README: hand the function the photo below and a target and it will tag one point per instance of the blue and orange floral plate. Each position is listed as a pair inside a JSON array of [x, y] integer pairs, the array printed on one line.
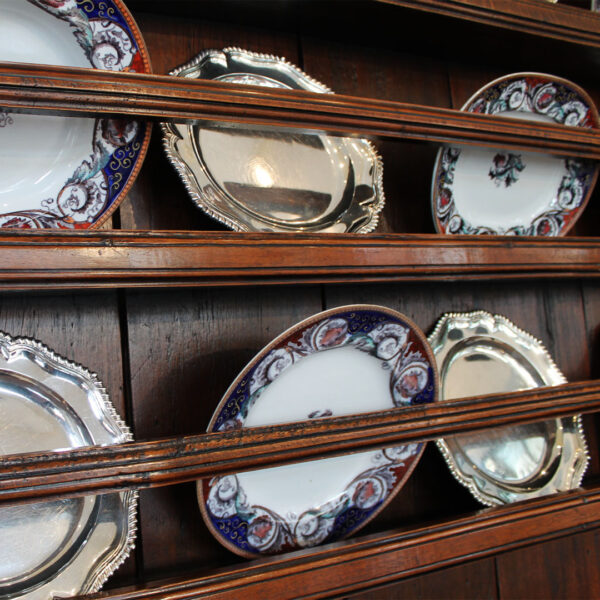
[[347, 360], [68, 172], [478, 190]]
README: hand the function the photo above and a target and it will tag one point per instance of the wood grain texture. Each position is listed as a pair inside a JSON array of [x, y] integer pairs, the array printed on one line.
[[545, 20], [158, 199], [388, 75], [476, 579], [185, 349], [558, 569], [352, 565], [83, 328], [84, 92], [188, 457], [47, 260]]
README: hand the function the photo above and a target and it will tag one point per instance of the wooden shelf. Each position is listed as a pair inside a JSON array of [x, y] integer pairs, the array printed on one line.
[[575, 25], [108, 259], [157, 348], [73, 91], [356, 564], [187, 458], [547, 20]]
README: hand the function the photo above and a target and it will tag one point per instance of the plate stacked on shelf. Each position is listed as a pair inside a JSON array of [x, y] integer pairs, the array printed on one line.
[[478, 190], [273, 180], [343, 361], [68, 172], [67, 546]]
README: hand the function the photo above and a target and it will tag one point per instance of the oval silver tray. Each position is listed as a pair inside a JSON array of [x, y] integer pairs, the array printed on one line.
[[273, 180], [479, 353], [68, 546]]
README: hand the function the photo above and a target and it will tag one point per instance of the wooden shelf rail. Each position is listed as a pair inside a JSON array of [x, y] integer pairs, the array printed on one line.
[[74, 91], [53, 260], [354, 564], [179, 459], [557, 21]]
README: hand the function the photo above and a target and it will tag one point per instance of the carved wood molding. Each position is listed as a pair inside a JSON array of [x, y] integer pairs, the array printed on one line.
[[74, 91], [369, 561], [179, 459], [557, 21], [52, 260]]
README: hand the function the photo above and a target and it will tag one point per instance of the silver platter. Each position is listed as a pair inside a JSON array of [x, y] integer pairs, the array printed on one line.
[[273, 180], [479, 353], [67, 546]]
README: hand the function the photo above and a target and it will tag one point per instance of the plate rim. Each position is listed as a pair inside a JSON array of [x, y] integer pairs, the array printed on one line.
[[145, 55], [171, 137], [468, 481], [10, 346], [261, 354], [548, 77]]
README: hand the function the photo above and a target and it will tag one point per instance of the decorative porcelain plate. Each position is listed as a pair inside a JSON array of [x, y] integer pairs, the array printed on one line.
[[347, 360], [480, 190], [479, 353], [68, 172], [257, 180], [68, 546]]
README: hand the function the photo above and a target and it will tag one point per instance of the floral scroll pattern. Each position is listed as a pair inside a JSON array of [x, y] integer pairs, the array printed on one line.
[[258, 529], [527, 95], [108, 44]]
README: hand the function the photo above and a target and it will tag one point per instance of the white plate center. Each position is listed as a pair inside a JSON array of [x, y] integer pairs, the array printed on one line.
[[501, 189], [38, 154], [338, 381]]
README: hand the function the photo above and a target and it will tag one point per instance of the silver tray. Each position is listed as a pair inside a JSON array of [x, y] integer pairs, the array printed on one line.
[[479, 353], [273, 180], [69, 546]]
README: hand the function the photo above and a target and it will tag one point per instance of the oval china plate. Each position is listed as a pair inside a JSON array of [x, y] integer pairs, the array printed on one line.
[[352, 359], [478, 190], [479, 353], [48, 403], [276, 180], [68, 172]]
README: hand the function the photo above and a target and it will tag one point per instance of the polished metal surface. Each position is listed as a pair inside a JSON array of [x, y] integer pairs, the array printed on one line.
[[66, 546], [275, 180], [479, 353]]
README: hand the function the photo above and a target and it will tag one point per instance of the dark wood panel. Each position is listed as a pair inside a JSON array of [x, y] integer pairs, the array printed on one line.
[[84, 328], [476, 579], [559, 21], [65, 90], [185, 349], [400, 76], [563, 568], [353, 565]]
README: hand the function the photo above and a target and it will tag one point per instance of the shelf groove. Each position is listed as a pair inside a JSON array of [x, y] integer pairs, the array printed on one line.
[[179, 459], [74, 91], [569, 24], [377, 559], [61, 260]]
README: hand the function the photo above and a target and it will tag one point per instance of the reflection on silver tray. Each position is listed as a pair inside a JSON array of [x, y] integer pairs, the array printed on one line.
[[67, 546], [479, 353], [259, 180]]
